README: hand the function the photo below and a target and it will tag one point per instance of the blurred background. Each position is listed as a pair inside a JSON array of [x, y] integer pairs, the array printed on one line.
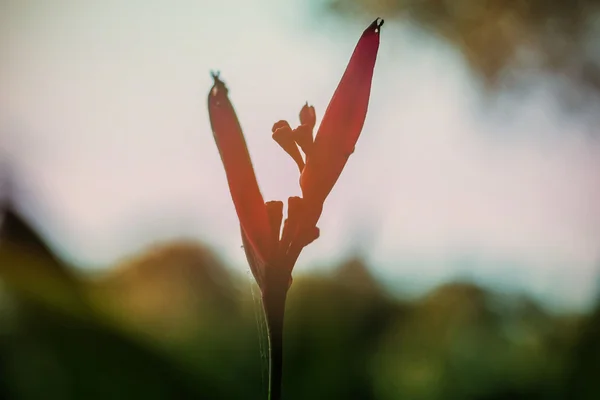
[[459, 254]]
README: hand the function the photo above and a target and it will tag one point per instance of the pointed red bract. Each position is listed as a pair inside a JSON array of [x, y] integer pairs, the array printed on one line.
[[247, 199], [342, 121]]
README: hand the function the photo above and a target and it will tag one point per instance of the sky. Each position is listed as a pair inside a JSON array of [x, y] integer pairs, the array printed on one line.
[[103, 119]]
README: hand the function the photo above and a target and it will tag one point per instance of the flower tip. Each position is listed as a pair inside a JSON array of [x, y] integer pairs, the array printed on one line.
[[218, 84], [376, 25], [308, 116], [216, 76]]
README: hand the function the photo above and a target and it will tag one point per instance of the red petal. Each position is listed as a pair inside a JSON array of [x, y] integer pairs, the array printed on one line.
[[343, 119], [248, 200]]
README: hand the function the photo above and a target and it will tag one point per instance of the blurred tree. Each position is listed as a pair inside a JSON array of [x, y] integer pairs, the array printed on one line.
[[17, 232], [498, 37], [171, 324], [181, 299], [30, 268], [168, 292], [455, 344], [334, 324], [49, 355], [54, 346], [584, 366]]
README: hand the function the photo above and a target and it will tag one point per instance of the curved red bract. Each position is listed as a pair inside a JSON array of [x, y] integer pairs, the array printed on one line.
[[343, 120], [245, 193]]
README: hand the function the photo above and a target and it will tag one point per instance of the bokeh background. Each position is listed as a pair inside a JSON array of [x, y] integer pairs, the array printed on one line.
[[459, 253]]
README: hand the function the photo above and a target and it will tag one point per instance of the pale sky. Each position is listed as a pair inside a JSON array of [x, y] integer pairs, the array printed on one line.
[[103, 111]]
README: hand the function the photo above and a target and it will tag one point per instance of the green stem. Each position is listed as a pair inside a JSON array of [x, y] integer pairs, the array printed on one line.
[[274, 307]]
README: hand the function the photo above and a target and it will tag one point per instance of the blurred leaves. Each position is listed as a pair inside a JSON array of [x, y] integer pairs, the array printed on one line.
[[457, 344], [584, 362], [500, 37], [29, 267], [176, 323]]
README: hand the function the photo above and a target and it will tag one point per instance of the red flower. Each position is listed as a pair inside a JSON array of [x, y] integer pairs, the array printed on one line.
[[325, 160], [271, 256], [338, 133], [343, 120]]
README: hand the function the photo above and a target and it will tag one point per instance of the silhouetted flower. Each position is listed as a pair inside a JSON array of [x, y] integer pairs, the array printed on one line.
[[272, 255], [325, 158], [337, 135]]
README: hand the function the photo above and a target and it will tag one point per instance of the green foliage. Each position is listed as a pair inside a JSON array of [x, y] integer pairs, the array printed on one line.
[[176, 323]]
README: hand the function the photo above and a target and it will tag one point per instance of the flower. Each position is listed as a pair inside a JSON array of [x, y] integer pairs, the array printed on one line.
[[272, 256], [343, 120], [337, 135]]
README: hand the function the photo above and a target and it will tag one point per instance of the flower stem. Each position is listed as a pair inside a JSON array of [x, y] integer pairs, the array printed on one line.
[[274, 307]]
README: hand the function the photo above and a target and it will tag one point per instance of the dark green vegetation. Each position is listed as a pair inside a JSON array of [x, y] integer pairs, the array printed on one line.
[[176, 324]]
